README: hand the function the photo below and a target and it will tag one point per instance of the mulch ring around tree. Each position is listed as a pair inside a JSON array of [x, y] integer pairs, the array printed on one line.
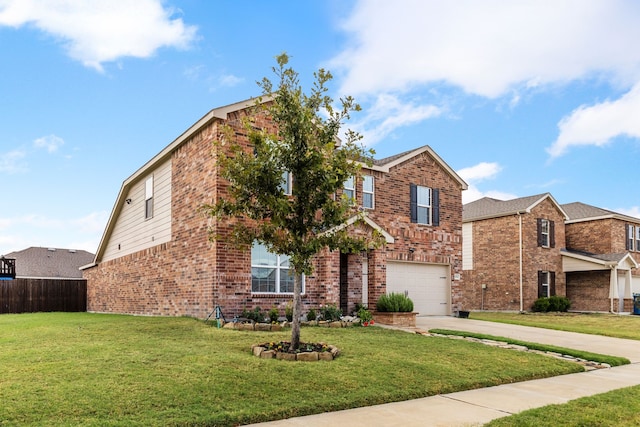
[[307, 352]]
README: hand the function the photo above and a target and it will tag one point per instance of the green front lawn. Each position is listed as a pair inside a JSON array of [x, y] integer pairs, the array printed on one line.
[[619, 408], [91, 369], [611, 325]]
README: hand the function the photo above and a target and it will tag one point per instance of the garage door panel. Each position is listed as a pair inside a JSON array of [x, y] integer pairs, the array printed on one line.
[[426, 284]]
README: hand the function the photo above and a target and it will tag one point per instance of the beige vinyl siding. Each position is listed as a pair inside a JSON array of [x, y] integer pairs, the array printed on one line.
[[573, 264], [132, 232], [467, 246]]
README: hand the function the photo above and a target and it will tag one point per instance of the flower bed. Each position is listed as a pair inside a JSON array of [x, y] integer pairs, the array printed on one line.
[[307, 352]]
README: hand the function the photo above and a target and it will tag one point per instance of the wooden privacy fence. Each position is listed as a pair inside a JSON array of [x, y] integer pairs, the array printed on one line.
[[34, 295]]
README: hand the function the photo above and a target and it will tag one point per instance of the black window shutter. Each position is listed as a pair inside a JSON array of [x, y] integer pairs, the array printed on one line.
[[552, 285], [540, 289], [626, 237], [436, 206], [413, 195], [552, 234], [539, 231]]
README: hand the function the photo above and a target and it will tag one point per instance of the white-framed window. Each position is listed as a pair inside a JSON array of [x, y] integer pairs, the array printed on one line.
[[545, 284], [148, 198], [631, 237], [424, 205], [544, 233], [350, 188], [271, 273], [368, 192], [637, 238], [287, 183]]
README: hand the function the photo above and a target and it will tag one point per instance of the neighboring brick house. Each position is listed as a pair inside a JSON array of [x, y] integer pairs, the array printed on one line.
[[155, 257], [511, 253], [601, 258]]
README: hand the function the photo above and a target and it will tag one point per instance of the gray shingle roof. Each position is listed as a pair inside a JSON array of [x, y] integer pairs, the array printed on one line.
[[578, 211], [493, 208], [50, 262]]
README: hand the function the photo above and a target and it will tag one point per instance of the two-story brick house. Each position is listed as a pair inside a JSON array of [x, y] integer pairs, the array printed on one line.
[[512, 252], [601, 258], [155, 257], [518, 250]]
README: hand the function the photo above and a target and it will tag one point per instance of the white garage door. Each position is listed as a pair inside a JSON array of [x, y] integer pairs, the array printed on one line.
[[427, 286]]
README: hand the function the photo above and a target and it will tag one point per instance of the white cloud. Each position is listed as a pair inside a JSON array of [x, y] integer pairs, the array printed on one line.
[[99, 31], [600, 123], [229, 80], [11, 162], [487, 48], [388, 113], [499, 49], [633, 211], [20, 232], [51, 143], [478, 173]]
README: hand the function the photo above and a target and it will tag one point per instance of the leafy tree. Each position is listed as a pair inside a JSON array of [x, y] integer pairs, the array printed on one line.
[[303, 144]]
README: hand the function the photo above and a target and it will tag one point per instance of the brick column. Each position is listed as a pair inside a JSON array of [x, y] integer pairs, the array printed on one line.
[[377, 275]]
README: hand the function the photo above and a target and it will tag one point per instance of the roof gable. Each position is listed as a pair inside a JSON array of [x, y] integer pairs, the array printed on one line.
[[385, 164], [487, 207]]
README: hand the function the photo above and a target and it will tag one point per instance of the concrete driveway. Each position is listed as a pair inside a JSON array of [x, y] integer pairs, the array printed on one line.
[[476, 407]]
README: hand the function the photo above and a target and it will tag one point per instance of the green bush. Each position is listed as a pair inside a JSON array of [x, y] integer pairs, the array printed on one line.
[[288, 311], [274, 314], [256, 314], [557, 303], [311, 315], [330, 313], [364, 315], [551, 304], [394, 302]]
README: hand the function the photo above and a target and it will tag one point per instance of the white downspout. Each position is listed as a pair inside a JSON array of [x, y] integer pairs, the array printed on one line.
[[521, 278]]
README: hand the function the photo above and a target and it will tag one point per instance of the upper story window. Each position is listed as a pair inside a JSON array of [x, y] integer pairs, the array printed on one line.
[[630, 234], [637, 238], [148, 198], [287, 183], [424, 205], [546, 233], [270, 273], [350, 188], [368, 192]]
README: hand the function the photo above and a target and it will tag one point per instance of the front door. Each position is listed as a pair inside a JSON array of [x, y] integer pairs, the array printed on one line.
[[344, 283]]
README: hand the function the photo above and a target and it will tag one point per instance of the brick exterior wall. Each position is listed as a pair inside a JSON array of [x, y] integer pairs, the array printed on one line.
[[191, 275], [496, 260], [590, 290]]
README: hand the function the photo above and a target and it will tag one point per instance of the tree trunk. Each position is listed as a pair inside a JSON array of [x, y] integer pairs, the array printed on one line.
[[297, 306]]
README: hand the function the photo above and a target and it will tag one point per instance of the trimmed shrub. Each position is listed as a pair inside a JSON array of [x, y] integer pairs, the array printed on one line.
[[274, 314], [330, 313], [256, 314], [394, 302], [551, 304], [557, 303], [311, 315]]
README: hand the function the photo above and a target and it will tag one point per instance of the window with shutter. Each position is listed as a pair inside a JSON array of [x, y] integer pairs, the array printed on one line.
[[424, 205]]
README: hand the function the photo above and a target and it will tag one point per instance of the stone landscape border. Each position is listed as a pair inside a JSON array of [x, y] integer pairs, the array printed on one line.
[[260, 350]]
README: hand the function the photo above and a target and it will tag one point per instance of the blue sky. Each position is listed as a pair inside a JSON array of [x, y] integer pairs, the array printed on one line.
[[520, 98]]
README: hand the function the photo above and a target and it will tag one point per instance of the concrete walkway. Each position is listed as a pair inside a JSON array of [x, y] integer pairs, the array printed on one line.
[[476, 407]]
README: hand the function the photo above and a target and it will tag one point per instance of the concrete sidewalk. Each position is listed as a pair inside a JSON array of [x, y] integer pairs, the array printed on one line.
[[476, 407]]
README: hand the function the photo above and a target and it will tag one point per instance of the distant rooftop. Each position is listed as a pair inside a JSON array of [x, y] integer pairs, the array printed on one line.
[[50, 262]]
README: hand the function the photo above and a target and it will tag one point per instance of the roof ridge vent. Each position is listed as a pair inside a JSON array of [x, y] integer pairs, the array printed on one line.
[[51, 249]]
